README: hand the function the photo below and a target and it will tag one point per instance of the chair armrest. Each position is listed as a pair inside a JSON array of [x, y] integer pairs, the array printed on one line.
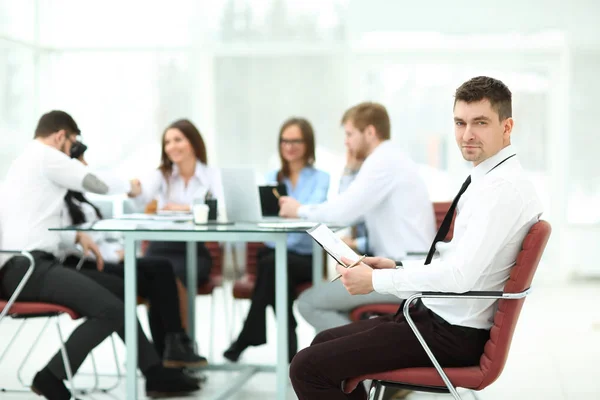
[[439, 295], [475, 294], [23, 282]]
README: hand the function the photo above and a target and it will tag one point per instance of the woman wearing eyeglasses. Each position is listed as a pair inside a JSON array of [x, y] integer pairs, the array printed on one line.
[[308, 185]]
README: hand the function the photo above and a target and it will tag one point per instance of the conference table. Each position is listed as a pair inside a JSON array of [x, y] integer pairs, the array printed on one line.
[[155, 229]]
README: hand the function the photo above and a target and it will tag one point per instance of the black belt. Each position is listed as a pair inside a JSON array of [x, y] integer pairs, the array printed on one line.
[[419, 306]]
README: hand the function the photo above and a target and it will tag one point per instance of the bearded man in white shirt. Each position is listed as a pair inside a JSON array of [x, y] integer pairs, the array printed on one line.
[[497, 205], [388, 194]]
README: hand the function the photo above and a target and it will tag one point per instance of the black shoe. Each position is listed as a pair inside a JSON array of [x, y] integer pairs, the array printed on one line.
[[234, 351], [180, 352], [166, 382], [197, 376], [49, 386]]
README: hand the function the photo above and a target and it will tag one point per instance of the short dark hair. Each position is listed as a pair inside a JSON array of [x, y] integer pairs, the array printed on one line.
[[53, 122], [368, 113], [483, 87]]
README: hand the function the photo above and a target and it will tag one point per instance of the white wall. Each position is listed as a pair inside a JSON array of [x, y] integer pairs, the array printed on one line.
[[239, 68]]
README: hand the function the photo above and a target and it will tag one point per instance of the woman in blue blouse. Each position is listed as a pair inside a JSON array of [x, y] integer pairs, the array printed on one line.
[[308, 185]]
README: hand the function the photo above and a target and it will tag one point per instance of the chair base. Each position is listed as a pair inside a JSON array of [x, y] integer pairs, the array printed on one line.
[[378, 387], [416, 388]]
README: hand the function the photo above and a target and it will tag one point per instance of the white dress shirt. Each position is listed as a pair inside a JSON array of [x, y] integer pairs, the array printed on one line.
[[175, 190], [392, 199], [33, 196], [493, 217]]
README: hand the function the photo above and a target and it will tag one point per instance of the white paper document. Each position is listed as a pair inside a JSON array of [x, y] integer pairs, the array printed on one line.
[[332, 243]]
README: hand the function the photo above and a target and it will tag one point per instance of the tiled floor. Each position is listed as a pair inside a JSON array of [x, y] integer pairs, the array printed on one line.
[[554, 354]]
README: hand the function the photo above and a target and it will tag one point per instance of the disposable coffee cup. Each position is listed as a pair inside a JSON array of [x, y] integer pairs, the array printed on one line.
[[200, 212]]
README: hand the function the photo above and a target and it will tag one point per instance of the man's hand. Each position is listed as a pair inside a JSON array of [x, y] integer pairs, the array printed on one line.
[[176, 207], [380, 263], [120, 255], [288, 207], [358, 279], [88, 245], [136, 188], [352, 163]]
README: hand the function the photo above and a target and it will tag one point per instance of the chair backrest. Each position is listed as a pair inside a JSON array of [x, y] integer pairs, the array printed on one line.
[[505, 320], [440, 209], [216, 254], [252, 249]]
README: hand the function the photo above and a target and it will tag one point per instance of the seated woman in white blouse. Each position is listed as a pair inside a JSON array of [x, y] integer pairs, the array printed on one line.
[[182, 177]]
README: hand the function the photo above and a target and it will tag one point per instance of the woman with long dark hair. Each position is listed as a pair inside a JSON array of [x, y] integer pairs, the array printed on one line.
[[182, 178]]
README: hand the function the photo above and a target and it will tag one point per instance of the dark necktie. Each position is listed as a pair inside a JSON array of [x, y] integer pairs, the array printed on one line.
[[445, 227]]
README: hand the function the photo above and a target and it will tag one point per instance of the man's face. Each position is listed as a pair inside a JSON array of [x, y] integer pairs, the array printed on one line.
[[479, 132], [356, 141]]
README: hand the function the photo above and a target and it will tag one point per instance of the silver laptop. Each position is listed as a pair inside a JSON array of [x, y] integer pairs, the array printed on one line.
[[242, 200]]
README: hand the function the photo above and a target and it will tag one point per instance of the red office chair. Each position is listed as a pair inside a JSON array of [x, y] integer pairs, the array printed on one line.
[[27, 310], [243, 287], [372, 310], [438, 380]]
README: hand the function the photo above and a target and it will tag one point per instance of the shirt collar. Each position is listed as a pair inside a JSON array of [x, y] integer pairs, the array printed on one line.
[[197, 172], [479, 171]]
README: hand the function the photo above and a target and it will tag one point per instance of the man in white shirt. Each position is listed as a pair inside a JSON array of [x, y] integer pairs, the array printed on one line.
[[497, 206], [32, 200], [388, 194]]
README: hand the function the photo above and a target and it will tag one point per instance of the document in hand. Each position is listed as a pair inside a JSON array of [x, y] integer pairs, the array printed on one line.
[[332, 244]]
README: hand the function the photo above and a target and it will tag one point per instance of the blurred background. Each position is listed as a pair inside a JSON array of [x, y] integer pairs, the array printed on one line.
[[238, 68]]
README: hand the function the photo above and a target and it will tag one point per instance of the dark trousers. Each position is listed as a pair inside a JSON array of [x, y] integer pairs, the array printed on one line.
[[378, 345], [175, 252], [104, 312], [254, 331], [155, 282]]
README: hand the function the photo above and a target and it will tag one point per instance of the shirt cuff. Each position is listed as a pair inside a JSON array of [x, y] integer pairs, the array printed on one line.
[[383, 281], [303, 212]]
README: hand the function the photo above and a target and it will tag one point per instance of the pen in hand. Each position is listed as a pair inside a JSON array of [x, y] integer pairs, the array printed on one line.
[[354, 264], [276, 193]]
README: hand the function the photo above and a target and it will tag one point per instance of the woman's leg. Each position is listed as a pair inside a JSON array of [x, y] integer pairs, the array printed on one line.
[[157, 283], [175, 252], [254, 331]]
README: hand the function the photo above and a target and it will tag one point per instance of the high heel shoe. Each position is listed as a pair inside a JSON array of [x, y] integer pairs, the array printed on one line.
[[234, 351]]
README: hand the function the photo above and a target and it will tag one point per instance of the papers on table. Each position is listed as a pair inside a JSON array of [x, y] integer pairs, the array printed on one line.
[[158, 217]]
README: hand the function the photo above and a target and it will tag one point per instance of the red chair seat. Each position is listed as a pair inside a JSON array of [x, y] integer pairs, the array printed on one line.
[[37, 309], [467, 377]]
